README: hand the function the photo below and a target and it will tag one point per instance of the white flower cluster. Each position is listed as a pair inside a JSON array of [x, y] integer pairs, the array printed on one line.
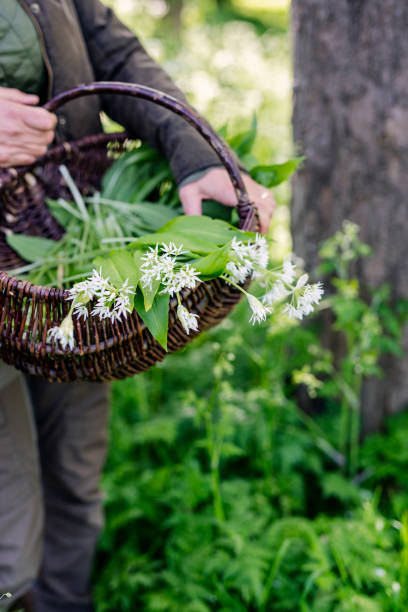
[[252, 258], [247, 258], [259, 311], [112, 303], [64, 333], [187, 319], [164, 267], [302, 296], [160, 264]]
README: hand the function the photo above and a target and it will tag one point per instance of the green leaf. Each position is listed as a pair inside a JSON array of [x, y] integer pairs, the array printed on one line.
[[31, 248], [215, 231], [153, 215], [60, 214], [136, 175], [157, 318], [154, 181], [275, 174], [212, 208], [120, 180], [212, 265], [150, 293], [120, 266], [190, 243]]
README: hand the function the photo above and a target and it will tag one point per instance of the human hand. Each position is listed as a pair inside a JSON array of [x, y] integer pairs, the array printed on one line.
[[216, 185], [25, 130]]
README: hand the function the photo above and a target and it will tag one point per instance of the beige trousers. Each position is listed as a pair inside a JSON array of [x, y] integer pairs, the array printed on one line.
[[53, 439]]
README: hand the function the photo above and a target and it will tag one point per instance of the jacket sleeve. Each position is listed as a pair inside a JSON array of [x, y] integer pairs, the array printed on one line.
[[117, 55]]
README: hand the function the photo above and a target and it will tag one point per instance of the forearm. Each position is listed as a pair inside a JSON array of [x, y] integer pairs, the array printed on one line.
[[116, 54]]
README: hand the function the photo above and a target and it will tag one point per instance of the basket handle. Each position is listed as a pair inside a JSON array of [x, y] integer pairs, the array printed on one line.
[[246, 210]]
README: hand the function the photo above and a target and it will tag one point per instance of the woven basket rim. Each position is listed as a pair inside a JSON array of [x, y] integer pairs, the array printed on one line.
[[26, 289], [105, 350]]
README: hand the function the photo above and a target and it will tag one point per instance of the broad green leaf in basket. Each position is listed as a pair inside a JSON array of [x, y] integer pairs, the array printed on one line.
[[212, 208], [275, 174], [120, 180], [62, 215], [154, 216], [30, 248], [118, 267], [189, 242], [215, 231], [136, 175], [157, 318], [212, 265], [149, 293], [146, 189]]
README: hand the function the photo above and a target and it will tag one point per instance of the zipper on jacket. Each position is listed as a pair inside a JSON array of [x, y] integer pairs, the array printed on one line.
[[42, 44]]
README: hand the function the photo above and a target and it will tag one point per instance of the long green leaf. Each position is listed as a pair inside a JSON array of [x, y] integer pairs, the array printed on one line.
[[157, 318], [212, 265], [62, 215], [146, 189], [212, 208], [30, 248], [275, 174], [149, 293], [216, 231], [119, 181], [119, 266], [190, 243]]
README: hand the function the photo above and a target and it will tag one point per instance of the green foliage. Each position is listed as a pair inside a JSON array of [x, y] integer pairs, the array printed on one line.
[[155, 315], [275, 174], [223, 495]]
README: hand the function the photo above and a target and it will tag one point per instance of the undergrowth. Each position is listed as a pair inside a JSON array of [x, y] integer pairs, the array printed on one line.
[[223, 494]]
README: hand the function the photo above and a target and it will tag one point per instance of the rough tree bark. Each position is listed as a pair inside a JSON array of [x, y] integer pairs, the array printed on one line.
[[350, 119]]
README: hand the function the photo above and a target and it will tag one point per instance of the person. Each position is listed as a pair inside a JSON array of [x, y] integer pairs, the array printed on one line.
[[53, 436]]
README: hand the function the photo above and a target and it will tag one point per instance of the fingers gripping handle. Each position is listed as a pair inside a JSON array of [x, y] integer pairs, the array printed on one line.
[[246, 210]]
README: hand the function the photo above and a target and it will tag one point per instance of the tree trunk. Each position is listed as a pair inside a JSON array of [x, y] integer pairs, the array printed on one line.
[[351, 122], [174, 13]]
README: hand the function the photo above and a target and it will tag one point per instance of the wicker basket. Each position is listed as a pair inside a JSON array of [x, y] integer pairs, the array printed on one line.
[[104, 350]]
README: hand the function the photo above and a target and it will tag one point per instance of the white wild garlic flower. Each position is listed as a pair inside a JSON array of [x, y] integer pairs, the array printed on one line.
[[288, 274], [259, 311], [244, 257], [163, 267], [304, 298], [172, 249], [113, 303], [277, 293], [64, 333], [187, 319], [238, 272], [293, 312], [184, 278]]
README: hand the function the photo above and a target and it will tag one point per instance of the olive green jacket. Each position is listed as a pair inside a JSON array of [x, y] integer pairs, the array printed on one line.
[[83, 41]]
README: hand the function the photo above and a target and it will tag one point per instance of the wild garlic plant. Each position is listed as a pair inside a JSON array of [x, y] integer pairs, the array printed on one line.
[[167, 269]]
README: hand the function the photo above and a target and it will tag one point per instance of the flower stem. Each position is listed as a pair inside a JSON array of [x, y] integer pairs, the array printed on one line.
[[234, 284]]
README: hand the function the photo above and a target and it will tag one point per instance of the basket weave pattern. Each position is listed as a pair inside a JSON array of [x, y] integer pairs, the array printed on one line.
[[104, 350]]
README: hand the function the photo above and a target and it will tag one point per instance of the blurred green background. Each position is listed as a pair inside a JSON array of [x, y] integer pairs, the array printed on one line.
[[222, 493]]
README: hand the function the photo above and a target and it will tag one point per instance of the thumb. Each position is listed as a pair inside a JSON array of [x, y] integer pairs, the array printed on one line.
[[191, 200]]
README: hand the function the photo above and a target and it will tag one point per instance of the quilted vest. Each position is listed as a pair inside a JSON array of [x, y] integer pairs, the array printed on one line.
[[21, 62]]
